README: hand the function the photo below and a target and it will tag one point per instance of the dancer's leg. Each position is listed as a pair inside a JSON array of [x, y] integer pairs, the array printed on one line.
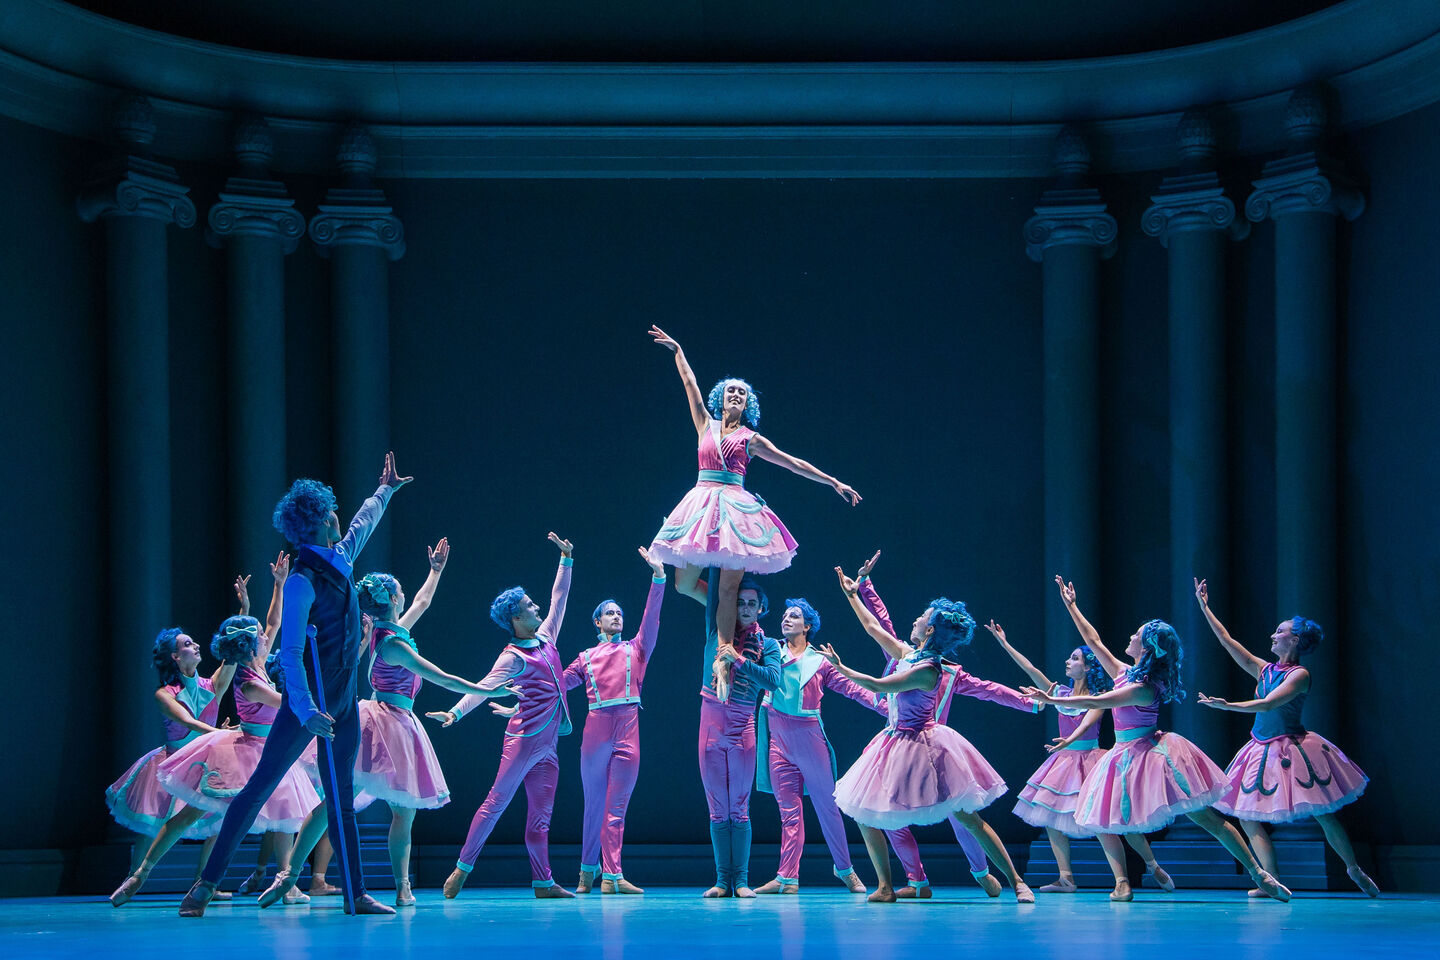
[[172, 830], [1140, 845], [516, 757], [725, 603], [1060, 846], [880, 860], [596, 748], [1339, 841], [1224, 831], [343, 747], [624, 771], [1115, 855], [786, 780], [714, 777], [320, 863], [263, 855], [740, 777], [687, 580], [908, 851], [540, 784], [997, 853], [402, 820], [812, 757], [1260, 843], [311, 837]]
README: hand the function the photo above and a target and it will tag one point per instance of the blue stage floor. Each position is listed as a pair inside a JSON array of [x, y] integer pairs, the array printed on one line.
[[677, 923]]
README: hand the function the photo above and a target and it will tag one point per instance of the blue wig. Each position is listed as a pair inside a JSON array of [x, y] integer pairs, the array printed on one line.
[[276, 671], [1307, 634], [303, 510], [162, 655], [1159, 665], [505, 606], [750, 583], [809, 613], [236, 640], [376, 592], [1096, 679], [954, 628], [716, 401], [601, 609]]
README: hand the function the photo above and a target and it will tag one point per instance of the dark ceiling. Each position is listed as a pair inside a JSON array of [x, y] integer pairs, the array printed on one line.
[[705, 30]]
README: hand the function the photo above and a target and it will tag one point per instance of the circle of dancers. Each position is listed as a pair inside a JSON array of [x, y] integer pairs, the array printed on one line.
[[308, 753]]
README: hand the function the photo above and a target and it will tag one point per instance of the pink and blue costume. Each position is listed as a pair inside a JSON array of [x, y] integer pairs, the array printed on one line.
[[209, 771], [719, 523], [612, 673], [528, 755], [800, 759], [1052, 792], [396, 762], [1286, 772], [137, 800]]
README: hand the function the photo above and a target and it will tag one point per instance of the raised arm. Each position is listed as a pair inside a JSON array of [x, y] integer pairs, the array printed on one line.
[[696, 399], [560, 592], [870, 597], [1291, 687], [400, 654], [650, 621], [1130, 695], [279, 572], [1108, 661], [894, 649], [426, 594], [765, 450], [1021, 661], [1247, 661], [922, 677], [367, 518]]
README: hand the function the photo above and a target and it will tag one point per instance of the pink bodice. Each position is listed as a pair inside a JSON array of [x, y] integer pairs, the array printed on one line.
[[252, 711], [730, 454], [1135, 717], [387, 677], [916, 709]]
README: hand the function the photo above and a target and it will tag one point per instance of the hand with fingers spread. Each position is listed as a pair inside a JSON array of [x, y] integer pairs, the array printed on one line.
[[1067, 590], [390, 477], [1218, 703], [280, 569], [846, 584], [869, 565], [566, 547], [847, 493], [242, 592], [439, 555], [1035, 693], [828, 652], [501, 710], [1059, 743], [656, 567], [1202, 593], [996, 631], [664, 339]]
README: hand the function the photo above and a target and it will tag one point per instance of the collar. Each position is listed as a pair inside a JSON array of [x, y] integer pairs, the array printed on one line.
[[195, 697], [529, 644], [618, 638]]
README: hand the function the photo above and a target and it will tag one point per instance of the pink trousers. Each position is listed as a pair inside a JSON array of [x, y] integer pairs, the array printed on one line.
[[799, 760], [727, 758], [609, 765], [531, 761], [903, 842]]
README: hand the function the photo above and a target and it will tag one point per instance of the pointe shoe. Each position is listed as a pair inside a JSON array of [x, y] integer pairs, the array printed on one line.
[[1362, 880], [197, 899], [909, 892], [126, 890], [1023, 893], [715, 893], [1256, 894], [1162, 879], [319, 888], [1122, 892], [553, 892], [454, 883], [1271, 887], [404, 896], [990, 884], [252, 883], [586, 883], [852, 882], [294, 898], [619, 885], [882, 895], [1063, 885], [366, 905], [745, 893], [281, 886]]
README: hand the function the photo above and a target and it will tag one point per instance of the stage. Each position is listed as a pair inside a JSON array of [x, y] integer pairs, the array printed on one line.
[[676, 922]]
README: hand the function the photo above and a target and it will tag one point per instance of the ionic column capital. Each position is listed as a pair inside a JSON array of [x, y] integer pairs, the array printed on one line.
[[1192, 203], [1307, 179], [251, 204], [1057, 224]]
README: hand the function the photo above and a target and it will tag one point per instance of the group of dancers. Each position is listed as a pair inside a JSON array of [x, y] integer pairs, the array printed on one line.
[[308, 753]]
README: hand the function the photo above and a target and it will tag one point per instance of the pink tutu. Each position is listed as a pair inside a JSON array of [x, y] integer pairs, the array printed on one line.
[[907, 777], [1052, 794], [1145, 784], [724, 525], [396, 762], [138, 802], [208, 773], [1284, 779], [310, 763]]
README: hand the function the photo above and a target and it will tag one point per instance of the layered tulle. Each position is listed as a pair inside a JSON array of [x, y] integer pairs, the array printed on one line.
[[208, 772], [1287, 778], [1145, 784], [397, 762], [1052, 794], [908, 777], [138, 802], [724, 525]]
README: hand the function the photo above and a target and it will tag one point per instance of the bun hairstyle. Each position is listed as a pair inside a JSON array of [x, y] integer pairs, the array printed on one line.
[[954, 628], [1307, 634], [236, 640], [1096, 679], [377, 591]]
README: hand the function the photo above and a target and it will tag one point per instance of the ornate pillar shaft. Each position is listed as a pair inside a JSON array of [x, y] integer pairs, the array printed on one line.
[[1069, 235], [359, 232], [258, 225], [138, 199], [1304, 193], [1193, 218]]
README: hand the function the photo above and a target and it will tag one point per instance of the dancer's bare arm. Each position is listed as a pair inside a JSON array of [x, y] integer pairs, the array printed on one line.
[[893, 647], [1295, 684], [922, 677], [765, 450], [438, 556], [1246, 660], [1021, 661], [698, 413], [1108, 661]]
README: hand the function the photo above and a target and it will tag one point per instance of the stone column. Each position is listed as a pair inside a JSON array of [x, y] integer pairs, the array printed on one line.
[[258, 225], [1304, 193], [1193, 219], [359, 232], [1069, 235], [137, 199]]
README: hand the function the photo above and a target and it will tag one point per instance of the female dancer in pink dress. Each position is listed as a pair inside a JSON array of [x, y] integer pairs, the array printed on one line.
[[800, 759], [1149, 777], [612, 673], [1050, 794], [916, 771], [1285, 772], [719, 523]]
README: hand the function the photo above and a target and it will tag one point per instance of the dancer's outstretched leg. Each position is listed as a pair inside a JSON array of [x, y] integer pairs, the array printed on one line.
[[1140, 845], [997, 853], [1224, 831], [1339, 841]]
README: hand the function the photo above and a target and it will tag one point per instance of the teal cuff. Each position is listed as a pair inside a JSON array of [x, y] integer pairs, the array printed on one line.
[[659, 579], [542, 884], [980, 874], [917, 884], [787, 881], [464, 867], [593, 868], [564, 562], [612, 877]]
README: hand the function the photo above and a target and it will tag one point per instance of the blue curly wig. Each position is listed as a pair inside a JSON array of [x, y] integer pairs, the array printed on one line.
[[276, 671], [809, 613], [376, 591], [505, 606], [303, 510], [601, 609], [236, 640], [954, 628], [1307, 634], [1096, 679], [162, 655], [715, 402], [750, 583], [1159, 665]]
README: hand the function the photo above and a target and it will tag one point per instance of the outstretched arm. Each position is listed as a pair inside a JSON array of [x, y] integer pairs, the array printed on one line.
[[923, 677], [969, 685], [1294, 685], [698, 413], [650, 622], [1108, 661], [1247, 661], [367, 518], [892, 646], [426, 594], [279, 572], [560, 592], [765, 450], [1021, 661], [507, 667], [1131, 695], [400, 654]]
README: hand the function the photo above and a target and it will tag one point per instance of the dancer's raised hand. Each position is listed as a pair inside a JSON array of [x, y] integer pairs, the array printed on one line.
[[444, 716], [438, 555], [1067, 590], [996, 631], [566, 547], [242, 593], [869, 565], [664, 339], [846, 584], [280, 569], [1202, 592], [828, 652], [656, 566], [390, 477]]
